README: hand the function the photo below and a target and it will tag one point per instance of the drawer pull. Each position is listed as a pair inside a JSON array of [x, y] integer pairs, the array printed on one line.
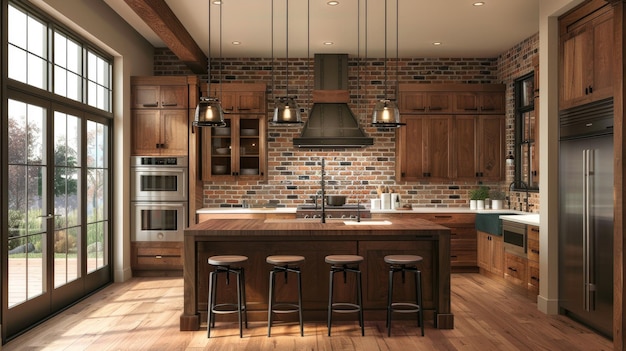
[[155, 104], [534, 251], [512, 269], [168, 104], [536, 230], [158, 256], [534, 278], [439, 216]]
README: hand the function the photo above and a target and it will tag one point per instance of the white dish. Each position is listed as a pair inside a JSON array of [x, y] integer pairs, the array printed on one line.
[[219, 169], [249, 171], [222, 150], [249, 132], [221, 131]]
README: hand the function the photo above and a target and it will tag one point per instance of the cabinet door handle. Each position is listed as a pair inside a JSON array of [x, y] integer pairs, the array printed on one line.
[[586, 91], [536, 230], [158, 146], [443, 216], [158, 256], [534, 251], [155, 104], [590, 89], [534, 278], [244, 109], [512, 269], [169, 104]]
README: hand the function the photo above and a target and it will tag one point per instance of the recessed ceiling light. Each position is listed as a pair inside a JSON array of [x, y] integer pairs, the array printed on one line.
[[236, 42], [333, 3], [328, 43], [479, 3], [437, 43]]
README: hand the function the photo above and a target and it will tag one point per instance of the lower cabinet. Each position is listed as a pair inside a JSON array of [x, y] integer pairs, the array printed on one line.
[[490, 253], [515, 269], [156, 258]]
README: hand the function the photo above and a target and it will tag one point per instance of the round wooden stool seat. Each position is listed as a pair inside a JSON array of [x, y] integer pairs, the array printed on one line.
[[282, 260], [403, 259], [343, 259], [226, 260]]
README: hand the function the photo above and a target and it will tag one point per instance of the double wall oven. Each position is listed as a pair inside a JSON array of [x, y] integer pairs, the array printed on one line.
[[158, 198]]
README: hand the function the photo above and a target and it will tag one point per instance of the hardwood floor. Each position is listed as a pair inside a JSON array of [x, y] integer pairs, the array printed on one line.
[[143, 314]]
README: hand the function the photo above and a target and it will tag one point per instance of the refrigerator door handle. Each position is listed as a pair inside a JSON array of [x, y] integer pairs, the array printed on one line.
[[588, 271]]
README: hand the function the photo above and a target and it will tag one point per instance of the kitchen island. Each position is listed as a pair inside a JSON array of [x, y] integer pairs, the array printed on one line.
[[258, 238]]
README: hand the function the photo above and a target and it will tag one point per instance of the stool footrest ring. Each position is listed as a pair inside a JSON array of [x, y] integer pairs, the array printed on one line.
[[345, 307]]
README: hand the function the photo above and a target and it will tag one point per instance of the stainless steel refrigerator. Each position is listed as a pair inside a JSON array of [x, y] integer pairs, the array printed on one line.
[[586, 215]]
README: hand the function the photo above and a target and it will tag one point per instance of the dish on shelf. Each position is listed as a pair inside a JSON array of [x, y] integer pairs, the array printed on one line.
[[249, 171], [219, 169], [222, 150], [221, 131], [249, 132]]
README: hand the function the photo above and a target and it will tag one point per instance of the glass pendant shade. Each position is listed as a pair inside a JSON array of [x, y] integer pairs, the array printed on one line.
[[386, 114], [286, 111], [209, 113]]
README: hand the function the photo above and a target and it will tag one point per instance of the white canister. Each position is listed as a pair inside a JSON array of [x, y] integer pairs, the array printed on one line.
[[395, 200], [375, 204], [385, 201]]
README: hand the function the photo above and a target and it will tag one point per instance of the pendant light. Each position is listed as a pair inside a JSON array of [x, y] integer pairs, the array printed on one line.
[[386, 113], [209, 112], [286, 110]]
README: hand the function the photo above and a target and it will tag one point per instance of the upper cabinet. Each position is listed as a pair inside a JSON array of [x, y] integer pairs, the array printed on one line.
[[586, 54], [464, 141], [237, 151], [159, 116]]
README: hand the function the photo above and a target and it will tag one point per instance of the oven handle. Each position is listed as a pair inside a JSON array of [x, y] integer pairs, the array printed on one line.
[[140, 170]]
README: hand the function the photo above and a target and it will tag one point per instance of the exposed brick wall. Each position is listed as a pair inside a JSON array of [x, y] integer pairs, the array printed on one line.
[[293, 174], [513, 64]]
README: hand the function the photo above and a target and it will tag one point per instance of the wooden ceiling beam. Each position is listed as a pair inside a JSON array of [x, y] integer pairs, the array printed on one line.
[[160, 18]]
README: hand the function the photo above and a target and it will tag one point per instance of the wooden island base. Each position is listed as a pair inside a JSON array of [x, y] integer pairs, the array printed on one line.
[[258, 238]]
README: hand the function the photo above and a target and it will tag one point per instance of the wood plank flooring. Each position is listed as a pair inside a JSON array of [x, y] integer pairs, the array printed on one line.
[[143, 314]]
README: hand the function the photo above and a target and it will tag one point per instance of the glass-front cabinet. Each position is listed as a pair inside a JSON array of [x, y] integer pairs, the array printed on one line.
[[238, 150], [526, 138]]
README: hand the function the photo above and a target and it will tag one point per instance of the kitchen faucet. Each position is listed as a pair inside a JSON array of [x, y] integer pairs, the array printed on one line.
[[525, 186]]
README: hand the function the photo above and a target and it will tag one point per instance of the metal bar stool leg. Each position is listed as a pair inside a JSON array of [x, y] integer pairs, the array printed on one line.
[[239, 304], [212, 288], [271, 303], [300, 302], [360, 300], [389, 299], [244, 304], [330, 300], [418, 279]]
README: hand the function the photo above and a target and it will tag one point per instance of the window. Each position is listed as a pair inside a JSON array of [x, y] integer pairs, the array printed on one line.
[[67, 67], [526, 124]]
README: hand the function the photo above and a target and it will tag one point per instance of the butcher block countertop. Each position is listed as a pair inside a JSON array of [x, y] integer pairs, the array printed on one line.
[[313, 227], [372, 239]]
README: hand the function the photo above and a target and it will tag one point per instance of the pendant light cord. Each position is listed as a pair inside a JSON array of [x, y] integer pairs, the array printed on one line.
[[208, 83], [221, 58], [272, 49], [385, 49], [397, 47], [287, 47]]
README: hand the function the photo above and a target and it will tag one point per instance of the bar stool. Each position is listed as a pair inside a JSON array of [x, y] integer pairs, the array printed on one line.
[[284, 264], [403, 264], [345, 264], [224, 264]]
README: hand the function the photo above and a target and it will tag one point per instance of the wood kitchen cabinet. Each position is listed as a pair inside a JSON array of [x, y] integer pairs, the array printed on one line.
[[425, 147], [479, 102], [150, 258], [437, 146], [159, 116], [479, 147], [425, 101], [532, 280], [237, 151], [159, 132], [586, 54], [490, 253], [515, 269]]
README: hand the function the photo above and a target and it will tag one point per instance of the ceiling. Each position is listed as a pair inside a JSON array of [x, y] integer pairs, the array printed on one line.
[[464, 30]]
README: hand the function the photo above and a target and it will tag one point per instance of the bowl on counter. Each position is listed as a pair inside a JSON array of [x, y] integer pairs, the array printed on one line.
[[222, 150], [249, 132], [249, 171], [219, 169]]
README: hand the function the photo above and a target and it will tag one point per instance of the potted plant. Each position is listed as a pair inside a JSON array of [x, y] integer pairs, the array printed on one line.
[[477, 197], [497, 199]]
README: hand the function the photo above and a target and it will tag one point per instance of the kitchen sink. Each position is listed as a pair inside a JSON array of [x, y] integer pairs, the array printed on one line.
[[489, 223]]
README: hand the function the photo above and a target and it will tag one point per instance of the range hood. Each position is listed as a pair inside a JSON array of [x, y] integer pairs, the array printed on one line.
[[331, 123]]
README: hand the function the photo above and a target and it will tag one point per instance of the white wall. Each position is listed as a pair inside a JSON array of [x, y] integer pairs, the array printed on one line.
[[549, 10], [134, 56]]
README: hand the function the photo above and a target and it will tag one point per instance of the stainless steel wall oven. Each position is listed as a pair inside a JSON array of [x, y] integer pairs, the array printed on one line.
[[158, 198]]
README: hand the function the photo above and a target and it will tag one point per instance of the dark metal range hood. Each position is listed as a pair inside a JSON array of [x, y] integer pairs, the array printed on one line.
[[331, 123]]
